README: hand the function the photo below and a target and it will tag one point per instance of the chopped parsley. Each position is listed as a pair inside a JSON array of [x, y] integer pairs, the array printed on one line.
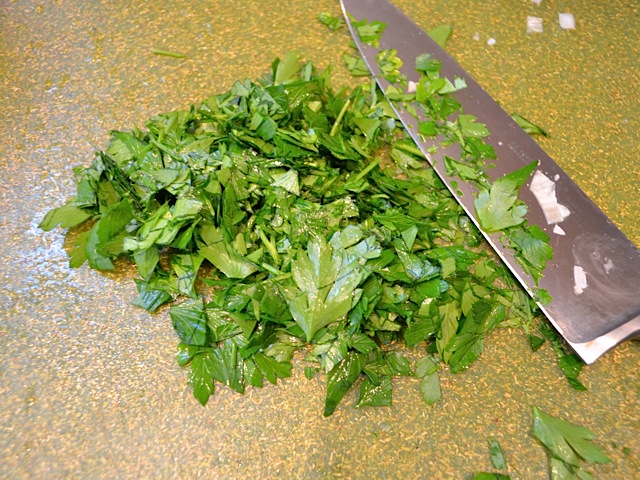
[[282, 216]]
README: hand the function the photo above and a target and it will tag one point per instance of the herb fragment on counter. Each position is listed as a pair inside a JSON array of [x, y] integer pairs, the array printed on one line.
[[167, 53], [427, 372], [498, 207], [497, 455], [497, 460], [568, 446], [281, 217]]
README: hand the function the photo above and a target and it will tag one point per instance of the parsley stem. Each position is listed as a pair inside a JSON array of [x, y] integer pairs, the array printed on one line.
[[367, 169], [167, 53], [164, 149], [336, 125], [271, 248], [409, 149]]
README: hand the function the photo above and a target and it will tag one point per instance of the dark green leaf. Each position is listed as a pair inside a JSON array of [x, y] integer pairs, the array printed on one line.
[[369, 32], [427, 372], [532, 245], [326, 279], [202, 377], [341, 378], [334, 23], [150, 298], [96, 259], [375, 395], [228, 366], [227, 260], [189, 321], [271, 368]]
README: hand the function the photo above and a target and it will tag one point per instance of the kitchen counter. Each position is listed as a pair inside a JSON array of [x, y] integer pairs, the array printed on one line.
[[89, 385]]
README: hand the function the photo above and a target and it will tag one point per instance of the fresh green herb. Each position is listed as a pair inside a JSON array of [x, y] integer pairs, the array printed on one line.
[[498, 208], [369, 32], [568, 446], [390, 65], [529, 126], [167, 53], [356, 65], [570, 364], [333, 23], [272, 220], [497, 456], [497, 460], [427, 372], [441, 34]]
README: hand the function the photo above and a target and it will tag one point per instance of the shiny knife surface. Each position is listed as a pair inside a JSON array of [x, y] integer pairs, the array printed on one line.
[[594, 277]]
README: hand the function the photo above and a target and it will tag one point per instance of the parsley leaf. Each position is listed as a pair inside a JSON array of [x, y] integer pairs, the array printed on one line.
[[326, 280], [498, 208], [369, 32], [441, 34], [333, 23], [567, 444], [340, 379]]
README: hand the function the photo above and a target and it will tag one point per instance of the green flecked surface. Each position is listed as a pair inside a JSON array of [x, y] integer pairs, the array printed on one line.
[[89, 387]]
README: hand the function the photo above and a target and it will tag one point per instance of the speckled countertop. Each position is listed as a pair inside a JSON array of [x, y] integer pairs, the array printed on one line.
[[89, 387]]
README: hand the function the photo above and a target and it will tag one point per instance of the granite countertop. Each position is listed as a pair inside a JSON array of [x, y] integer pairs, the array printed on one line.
[[89, 385]]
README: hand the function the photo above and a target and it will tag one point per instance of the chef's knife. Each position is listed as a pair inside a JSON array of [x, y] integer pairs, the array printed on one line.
[[594, 277]]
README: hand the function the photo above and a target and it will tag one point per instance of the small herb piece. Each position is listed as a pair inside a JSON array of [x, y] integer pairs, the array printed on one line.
[[369, 32], [167, 53], [326, 280], [497, 456], [532, 247], [568, 445], [528, 126], [333, 23], [441, 34], [356, 65], [497, 460], [427, 372], [340, 379], [390, 65]]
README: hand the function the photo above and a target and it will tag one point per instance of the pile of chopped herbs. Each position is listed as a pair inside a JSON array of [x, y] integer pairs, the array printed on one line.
[[284, 216]]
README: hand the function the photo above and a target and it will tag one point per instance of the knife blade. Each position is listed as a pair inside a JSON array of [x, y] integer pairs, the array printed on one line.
[[594, 276]]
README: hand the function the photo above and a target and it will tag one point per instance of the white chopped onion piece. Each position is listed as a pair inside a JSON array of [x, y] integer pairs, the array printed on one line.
[[544, 189], [567, 21], [534, 24]]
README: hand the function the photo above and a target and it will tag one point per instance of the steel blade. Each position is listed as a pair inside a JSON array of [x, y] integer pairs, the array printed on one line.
[[594, 277]]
